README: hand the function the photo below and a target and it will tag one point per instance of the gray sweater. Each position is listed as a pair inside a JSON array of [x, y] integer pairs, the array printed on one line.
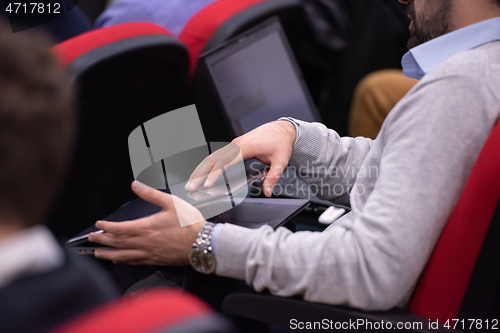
[[406, 184]]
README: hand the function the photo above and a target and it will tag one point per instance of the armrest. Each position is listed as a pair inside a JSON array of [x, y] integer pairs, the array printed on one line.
[[289, 312]]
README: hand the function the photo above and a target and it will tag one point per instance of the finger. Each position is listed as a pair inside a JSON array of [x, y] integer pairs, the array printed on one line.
[[199, 174], [222, 158], [115, 241], [272, 177], [226, 157], [121, 255], [152, 195], [146, 262], [128, 228], [212, 177]]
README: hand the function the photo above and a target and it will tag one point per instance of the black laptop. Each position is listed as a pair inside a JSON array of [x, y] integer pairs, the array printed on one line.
[[257, 80], [251, 213]]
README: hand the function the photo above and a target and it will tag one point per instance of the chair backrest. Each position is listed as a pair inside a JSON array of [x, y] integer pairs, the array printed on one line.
[[462, 276], [156, 310], [200, 29], [125, 75]]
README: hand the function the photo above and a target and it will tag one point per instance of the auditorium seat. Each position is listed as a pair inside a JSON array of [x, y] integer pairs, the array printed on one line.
[[224, 19], [124, 75], [155, 310], [461, 280]]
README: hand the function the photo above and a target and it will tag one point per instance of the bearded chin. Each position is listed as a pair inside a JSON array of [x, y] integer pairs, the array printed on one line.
[[416, 36], [414, 40], [428, 27], [420, 36]]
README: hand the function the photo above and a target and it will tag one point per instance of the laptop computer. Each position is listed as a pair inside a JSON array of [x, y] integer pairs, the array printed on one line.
[[251, 213], [257, 80]]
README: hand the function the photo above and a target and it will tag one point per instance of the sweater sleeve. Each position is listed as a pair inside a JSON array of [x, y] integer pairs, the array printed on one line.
[[327, 163]]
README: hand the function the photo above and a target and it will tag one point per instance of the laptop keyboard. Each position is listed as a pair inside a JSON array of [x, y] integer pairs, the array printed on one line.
[[214, 209]]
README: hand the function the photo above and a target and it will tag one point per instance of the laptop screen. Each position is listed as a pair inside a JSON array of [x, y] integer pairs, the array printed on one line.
[[258, 80]]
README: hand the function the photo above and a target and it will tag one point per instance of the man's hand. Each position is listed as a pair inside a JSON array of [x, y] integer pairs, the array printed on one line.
[[271, 143], [154, 240]]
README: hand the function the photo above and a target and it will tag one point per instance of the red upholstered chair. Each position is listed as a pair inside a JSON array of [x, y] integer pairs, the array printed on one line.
[[461, 280], [159, 310], [124, 75], [462, 277], [225, 19]]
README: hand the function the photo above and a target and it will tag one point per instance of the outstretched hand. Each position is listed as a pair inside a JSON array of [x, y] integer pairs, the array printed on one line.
[[271, 143], [158, 239]]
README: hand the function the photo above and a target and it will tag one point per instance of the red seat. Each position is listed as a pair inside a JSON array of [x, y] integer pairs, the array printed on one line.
[[125, 75], [442, 288], [156, 310], [198, 31], [70, 50]]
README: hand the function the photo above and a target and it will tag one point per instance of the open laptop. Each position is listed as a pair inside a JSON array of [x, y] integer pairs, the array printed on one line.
[[257, 80], [251, 213]]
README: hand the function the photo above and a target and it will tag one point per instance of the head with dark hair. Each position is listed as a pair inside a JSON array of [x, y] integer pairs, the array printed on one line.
[[37, 124]]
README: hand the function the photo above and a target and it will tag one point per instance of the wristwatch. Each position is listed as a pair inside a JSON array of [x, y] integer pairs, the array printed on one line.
[[201, 256]]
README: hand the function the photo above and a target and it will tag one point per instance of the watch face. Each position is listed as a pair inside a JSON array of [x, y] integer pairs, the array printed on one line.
[[202, 262]]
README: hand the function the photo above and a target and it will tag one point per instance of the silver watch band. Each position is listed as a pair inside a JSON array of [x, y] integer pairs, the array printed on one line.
[[204, 240], [201, 257]]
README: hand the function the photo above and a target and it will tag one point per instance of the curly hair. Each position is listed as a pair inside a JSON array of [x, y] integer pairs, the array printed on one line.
[[37, 125]]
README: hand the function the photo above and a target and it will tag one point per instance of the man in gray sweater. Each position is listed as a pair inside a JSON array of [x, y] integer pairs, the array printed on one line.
[[402, 186]]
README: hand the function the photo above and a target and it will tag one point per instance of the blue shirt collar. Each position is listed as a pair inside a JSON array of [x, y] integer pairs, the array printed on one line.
[[422, 58]]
